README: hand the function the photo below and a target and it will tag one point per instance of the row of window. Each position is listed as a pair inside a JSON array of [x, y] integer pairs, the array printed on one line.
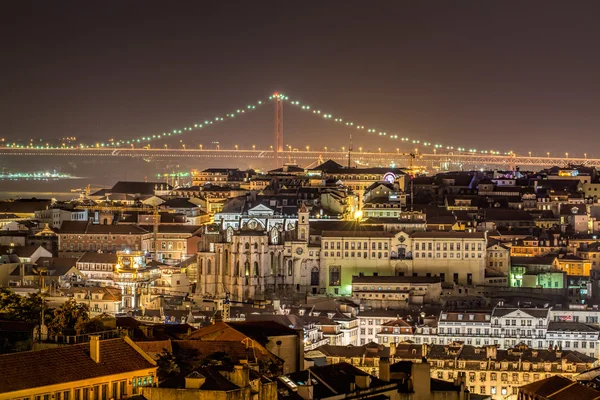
[[359, 254], [356, 245], [98, 237], [445, 246], [114, 390], [445, 255], [93, 247]]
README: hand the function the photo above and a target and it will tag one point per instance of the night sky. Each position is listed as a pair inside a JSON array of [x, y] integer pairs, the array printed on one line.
[[507, 75]]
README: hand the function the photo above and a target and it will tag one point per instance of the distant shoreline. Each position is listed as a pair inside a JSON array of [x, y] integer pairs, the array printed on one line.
[[40, 195]]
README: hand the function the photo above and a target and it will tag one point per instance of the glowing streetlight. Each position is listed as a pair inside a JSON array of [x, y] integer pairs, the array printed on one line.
[[165, 147], [236, 146], [529, 154], [548, 154], [360, 149], [585, 155], [253, 147], [307, 148], [200, 147], [184, 146], [567, 155]]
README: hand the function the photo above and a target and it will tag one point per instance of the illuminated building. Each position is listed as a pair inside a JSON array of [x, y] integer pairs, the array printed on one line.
[[77, 237], [359, 179], [487, 370], [133, 277]]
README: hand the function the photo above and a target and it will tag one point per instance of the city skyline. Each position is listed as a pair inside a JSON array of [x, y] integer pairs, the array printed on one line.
[[443, 84]]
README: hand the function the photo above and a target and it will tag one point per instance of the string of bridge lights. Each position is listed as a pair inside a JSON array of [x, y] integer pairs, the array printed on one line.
[[147, 139], [253, 106], [371, 130]]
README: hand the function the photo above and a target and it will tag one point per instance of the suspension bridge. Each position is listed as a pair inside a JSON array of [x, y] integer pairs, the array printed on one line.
[[448, 155]]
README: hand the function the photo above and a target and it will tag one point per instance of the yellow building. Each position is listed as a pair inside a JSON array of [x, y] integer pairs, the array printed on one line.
[[108, 369], [574, 265]]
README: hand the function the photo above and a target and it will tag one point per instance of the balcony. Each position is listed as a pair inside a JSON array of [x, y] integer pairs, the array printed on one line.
[[313, 345]]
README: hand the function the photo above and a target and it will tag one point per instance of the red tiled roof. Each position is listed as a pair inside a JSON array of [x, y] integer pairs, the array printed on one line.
[[32, 369]]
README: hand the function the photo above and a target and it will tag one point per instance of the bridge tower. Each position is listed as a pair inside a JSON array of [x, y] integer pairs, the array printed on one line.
[[278, 145]]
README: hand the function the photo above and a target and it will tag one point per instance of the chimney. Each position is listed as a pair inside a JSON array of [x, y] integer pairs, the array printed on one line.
[[384, 369], [239, 376], [421, 379], [491, 352], [95, 348], [392, 350], [362, 381]]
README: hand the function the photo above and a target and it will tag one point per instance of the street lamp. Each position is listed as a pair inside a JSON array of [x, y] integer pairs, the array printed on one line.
[[567, 155], [200, 147], [165, 146], [307, 148], [360, 149], [253, 147], [548, 153], [529, 154], [236, 146], [184, 146]]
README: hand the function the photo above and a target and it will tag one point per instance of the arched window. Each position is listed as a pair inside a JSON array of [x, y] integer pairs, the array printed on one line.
[[208, 267], [247, 268], [314, 276], [200, 266], [247, 246], [302, 234], [255, 246], [272, 263], [255, 268], [236, 272], [290, 268]]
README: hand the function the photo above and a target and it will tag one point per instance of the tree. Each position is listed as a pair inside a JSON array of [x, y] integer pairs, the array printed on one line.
[[66, 317], [167, 365], [21, 308], [89, 325]]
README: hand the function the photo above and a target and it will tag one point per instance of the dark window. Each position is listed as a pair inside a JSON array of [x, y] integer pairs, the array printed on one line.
[[314, 277]]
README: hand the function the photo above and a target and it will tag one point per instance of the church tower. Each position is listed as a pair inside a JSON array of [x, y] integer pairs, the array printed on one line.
[[303, 226]]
